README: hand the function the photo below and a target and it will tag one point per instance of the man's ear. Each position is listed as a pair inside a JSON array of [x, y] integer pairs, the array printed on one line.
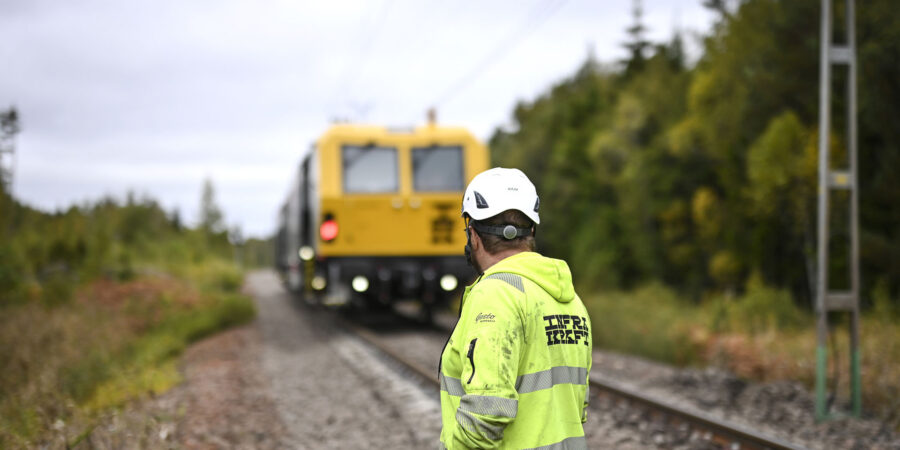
[[475, 238]]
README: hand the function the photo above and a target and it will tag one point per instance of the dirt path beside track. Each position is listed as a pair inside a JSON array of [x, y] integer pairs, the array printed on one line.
[[289, 380], [223, 402]]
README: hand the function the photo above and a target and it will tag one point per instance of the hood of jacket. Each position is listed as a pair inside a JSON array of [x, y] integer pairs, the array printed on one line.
[[552, 275]]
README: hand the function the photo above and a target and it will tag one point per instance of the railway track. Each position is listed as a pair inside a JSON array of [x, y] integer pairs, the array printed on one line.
[[718, 432], [726, 435]]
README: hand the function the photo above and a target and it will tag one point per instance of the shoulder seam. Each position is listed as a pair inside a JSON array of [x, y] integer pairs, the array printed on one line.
[[511, 279]]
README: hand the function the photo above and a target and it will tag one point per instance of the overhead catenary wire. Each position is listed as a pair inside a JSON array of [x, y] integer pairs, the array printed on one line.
[[366, 36], [536, 17], [426, 28]]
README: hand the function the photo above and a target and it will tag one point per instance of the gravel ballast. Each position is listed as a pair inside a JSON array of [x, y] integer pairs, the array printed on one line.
[[781, 409]]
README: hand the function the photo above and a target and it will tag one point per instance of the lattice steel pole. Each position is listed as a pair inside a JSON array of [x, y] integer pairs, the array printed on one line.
[[827, 300]]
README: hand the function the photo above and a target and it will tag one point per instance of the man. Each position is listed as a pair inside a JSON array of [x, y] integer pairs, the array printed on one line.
[[514, 372]]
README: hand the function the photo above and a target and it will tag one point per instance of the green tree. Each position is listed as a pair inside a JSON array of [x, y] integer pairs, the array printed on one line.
[[637, 43], [210, 213], [703, 176]]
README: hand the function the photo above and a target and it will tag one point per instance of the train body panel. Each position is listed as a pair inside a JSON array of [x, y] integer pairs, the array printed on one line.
[[296, 218], [381, 205], [401, 191]]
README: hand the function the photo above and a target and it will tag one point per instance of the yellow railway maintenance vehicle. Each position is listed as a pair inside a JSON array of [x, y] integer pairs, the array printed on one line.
[[373, 216]]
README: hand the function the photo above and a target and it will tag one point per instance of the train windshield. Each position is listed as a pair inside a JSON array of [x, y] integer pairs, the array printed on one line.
[[369, 169], [437, 169]]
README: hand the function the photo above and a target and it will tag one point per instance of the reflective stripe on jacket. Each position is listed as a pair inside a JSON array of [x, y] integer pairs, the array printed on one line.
[[514, 372]]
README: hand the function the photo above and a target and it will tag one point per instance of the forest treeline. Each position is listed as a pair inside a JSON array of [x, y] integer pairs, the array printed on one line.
[[45, 256], [704, 175]]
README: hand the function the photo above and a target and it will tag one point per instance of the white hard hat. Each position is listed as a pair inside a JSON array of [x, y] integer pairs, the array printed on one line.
[[496, 190]]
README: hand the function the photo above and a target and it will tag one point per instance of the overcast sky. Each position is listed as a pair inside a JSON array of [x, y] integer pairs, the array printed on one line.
[[155, 96]]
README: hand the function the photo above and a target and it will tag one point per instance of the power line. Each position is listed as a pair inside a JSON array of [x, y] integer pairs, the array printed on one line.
[[538, 15], [346, 73], [356, 66], [430, 37]]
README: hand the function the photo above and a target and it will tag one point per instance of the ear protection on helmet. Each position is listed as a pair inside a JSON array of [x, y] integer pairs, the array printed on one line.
[[508, 232]]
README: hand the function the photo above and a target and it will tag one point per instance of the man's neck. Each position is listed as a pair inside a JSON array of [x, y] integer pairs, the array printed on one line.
[[490, 259]]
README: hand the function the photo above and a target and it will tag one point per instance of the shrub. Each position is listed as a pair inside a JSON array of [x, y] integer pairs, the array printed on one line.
[[114, 343], [761, 308], [11, 274], [57, 288], [650, 321]]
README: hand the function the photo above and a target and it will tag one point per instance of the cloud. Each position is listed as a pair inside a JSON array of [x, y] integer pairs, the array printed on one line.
[[156, 95]]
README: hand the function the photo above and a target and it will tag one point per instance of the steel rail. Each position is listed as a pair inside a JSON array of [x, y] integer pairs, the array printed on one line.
[[427, 375], [727, 435]]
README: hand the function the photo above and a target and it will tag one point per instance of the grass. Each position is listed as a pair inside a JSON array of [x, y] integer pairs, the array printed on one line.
[[759, 335], [650, 321], [146, 365], [68, 364]]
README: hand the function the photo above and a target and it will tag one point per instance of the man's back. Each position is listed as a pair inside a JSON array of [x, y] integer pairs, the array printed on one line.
[[514, 373]]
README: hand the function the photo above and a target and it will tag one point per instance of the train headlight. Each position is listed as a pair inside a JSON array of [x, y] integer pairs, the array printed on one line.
[[318, 282], [306, 253], [448, 282], [360, 283]]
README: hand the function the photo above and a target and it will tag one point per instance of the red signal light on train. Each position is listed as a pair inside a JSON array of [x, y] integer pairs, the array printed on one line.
[[328, 230]]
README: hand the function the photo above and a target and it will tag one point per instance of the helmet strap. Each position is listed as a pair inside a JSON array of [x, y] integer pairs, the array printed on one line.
[[508, 232]]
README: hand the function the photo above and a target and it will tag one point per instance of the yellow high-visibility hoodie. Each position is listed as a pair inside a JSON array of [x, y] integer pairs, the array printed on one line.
[[514, 372]]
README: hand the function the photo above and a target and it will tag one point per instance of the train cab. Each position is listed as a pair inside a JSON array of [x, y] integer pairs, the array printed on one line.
[[376, 215]]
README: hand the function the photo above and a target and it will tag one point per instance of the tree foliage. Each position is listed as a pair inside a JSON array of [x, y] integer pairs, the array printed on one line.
[[210, 213], [43, 256], [703, 177]]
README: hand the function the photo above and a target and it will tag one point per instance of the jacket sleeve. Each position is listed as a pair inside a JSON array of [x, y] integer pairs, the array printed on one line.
[[590, 363], [492, 339]]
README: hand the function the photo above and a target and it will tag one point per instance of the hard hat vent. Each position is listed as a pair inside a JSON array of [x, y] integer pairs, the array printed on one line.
[[537, 204], [480, 202]]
